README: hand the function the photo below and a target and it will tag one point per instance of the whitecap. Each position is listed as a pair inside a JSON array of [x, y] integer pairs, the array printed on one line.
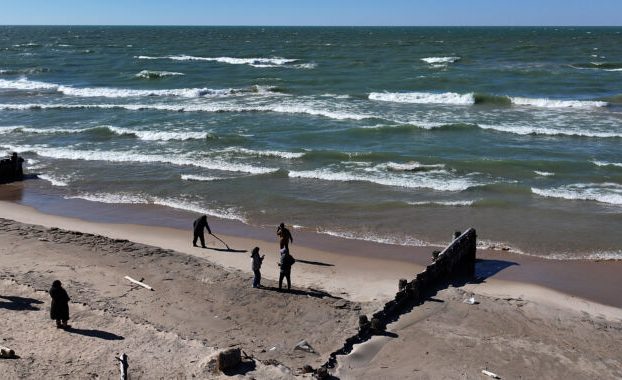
[[556, 103], [192, 177], [605, 163], [531, 130], [424, 97], [543, 174], [256, 62], [151, 74], [443, 203], [265, 153], [432, 60], [53, 180]]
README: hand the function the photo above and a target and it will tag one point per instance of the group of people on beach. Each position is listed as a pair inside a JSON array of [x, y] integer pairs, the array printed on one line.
[[59, 310], [285, 262]]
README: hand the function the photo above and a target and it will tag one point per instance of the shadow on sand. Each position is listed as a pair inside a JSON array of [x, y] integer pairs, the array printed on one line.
[[485, 268], [95, 333], [299, 292], [19, 303], [314, 263], [227, 249]]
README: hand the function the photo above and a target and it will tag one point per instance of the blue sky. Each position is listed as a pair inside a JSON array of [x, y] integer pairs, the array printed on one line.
[[312, 12]]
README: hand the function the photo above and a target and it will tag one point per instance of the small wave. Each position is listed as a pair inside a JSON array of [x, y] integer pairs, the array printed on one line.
[[419, 180], [530, 130], [278, 108], [53, 180], [454, 98], [192, 177], [543, 174], [367, 236], [180, 204], [161, 135], [265, 153], [437, 60], [150, 74], [423, 97], [610, 193], [255, 62], [130, 156], [410, 166], [443, 203], [605, 163]]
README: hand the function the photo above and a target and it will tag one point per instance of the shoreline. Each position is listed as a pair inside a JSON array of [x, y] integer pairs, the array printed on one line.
[[339, 262]]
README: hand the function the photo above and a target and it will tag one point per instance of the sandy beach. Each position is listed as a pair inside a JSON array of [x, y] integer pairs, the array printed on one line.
[[203, 302]]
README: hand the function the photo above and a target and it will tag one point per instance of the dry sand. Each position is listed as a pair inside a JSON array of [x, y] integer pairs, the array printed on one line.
[[203, 302]]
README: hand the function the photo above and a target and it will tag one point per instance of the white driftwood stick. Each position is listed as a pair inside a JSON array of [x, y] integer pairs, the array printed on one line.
[[488, 373], [138, 283], [6, 352]]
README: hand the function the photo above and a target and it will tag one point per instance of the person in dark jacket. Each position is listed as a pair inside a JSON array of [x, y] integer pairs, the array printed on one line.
[[199, 225], [285, 263], [285, 237], [59, 310], [256, 266]]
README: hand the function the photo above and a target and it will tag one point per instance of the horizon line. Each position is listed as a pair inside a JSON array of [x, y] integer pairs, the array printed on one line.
[[330, 26]]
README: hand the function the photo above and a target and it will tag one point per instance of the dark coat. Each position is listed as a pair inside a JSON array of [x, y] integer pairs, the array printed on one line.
[[199, 224], [286, 262], [60, 304]]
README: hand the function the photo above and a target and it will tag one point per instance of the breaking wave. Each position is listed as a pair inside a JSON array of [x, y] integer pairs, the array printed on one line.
[[255, 62], [454, 98], [150, 74], [265, 153], [53, 180], [134, 157], [440, 60], [609, 193]]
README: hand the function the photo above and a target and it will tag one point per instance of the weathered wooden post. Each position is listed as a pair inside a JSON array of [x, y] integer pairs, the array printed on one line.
[[402, 284], [123, 365]]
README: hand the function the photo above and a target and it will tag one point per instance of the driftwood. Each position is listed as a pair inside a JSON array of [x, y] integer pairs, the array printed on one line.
[[490, 374], [138, 283], [123, 365], [6, 352]]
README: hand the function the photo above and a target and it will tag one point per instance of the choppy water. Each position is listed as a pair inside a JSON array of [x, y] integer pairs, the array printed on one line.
[[399, 135]]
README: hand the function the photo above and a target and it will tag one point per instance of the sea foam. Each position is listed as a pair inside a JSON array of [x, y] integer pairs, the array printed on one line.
[[440, 60], [255, 62], [610, 193]]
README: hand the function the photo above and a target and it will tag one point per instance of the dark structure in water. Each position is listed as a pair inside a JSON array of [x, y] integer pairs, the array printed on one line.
[[11, 169]]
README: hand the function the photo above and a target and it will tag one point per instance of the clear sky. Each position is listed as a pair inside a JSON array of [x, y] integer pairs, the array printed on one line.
[[311, 12]]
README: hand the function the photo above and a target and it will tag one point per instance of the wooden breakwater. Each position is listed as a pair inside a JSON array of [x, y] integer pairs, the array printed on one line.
[[456, 261]]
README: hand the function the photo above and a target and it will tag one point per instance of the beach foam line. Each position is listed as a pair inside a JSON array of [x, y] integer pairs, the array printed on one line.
[[453, 98], [376, 238], [435, 180], [532, 130], [215, 108], [176, 203], [53, 180], [255, 62], [130, 156], [608, 193]]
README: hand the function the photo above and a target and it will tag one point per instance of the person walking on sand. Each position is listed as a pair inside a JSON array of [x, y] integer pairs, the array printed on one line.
[[285, 263], [256, 266], [285, 237], [198, 226], [59, 310]]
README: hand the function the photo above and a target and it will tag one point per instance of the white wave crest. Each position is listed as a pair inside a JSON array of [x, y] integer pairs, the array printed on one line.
[[176, 203], [265, 153], [130, 156], [543, 174], [610, 193], [53, 180], [433, 60], [278, 108], [531, 130], [256, 62], [437, 180], [153, 74], [192, 177], [605, 163], [443, 203], [25, 84], [556, 103], [160, 135], [409, 166], [423, 97]]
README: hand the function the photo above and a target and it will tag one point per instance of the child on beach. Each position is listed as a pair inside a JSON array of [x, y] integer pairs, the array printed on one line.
[[285, 237], [256, 261], [59, 310]]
